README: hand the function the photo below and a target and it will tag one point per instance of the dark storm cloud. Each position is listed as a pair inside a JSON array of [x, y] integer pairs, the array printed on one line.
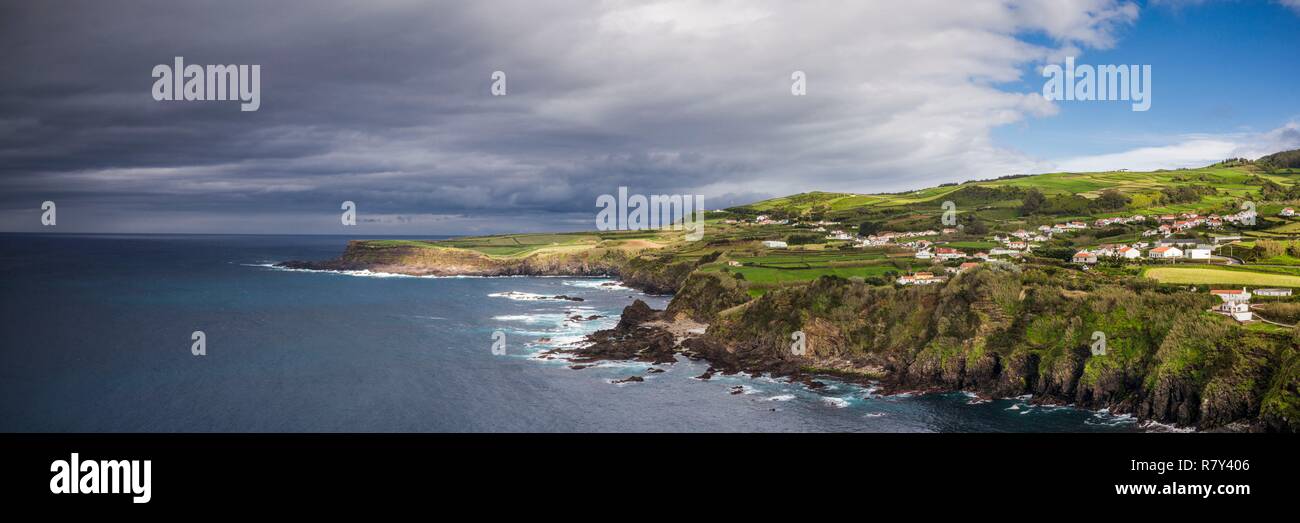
[[387, 104]]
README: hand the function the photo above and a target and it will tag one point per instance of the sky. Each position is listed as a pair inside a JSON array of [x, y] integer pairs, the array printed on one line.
[[389, 104]]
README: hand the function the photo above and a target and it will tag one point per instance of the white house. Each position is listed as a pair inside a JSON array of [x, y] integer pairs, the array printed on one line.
[[1128, 253], [1165, 253], [1287, 212], [1232, 295], [774, 244], [1236, 303], [1085, 257], [920, 278], [945, 253], [1239, 311], [1273, 292], [1200, 252]]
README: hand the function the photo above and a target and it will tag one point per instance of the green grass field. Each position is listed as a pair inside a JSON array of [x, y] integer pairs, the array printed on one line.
[[972, 245], [1232, 183], [1221, 276], [771, 275], [776, 268]]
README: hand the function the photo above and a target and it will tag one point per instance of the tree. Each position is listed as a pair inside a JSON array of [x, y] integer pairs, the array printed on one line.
[[1033, 201], [1111, 199], [868, 228], [973, 225], [804, 239], [1269, 248]]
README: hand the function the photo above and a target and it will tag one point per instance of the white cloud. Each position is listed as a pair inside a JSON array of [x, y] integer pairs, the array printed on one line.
[[1188, 151], [666, 97], [1179, 4]]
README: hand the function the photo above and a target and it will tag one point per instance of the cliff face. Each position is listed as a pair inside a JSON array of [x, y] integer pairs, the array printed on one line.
[[1001, 333], [703, 295], [403, 258]]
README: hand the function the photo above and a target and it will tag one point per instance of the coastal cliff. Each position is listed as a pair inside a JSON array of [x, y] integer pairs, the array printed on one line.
[[1000, 332], [428, 259], [653, 275]]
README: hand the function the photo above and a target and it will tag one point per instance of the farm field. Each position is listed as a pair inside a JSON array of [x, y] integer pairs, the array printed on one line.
[[971, 245], [1233, 184], [1221, 276], [772, 275], [775, 269]]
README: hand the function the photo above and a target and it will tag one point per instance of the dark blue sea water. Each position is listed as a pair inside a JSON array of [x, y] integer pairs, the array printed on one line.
[[95, 334]]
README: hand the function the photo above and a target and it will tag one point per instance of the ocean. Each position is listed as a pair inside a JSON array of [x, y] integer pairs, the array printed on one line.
[[96, 337]]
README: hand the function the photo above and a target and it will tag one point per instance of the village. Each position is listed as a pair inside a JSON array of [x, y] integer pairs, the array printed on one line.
[[930, 245], [1169, 238]]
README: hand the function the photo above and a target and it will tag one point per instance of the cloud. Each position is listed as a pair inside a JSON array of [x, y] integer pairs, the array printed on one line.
[[1188, 151], [1294, 5], [389, 106]]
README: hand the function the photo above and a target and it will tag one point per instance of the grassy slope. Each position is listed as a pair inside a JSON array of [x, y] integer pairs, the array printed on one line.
[[900, 211], [1229, 180], [1220, 276]]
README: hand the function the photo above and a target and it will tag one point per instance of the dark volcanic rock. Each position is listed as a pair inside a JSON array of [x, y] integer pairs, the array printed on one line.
[[629, 340], [636, 314]]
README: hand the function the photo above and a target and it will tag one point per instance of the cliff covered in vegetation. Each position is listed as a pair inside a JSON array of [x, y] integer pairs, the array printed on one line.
[[1003, 332]]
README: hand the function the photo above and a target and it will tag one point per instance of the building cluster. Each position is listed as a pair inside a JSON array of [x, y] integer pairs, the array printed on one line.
[[919, 278], [761, 219], [926, 278], [1120, 220], [903, 239], [1162, 250]]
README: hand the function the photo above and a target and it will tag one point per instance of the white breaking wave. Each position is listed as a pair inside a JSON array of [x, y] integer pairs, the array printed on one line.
[[525, 296], [364, 273], [609, 285], [838, 403], [367, 273]]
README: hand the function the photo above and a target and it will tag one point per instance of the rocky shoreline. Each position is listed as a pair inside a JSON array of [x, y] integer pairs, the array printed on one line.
[[656, 337], [995, 332]]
